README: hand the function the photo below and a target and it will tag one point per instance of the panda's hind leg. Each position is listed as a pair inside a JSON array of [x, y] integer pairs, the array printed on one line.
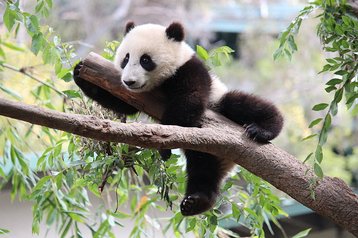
[[260, 118], [205, 174]]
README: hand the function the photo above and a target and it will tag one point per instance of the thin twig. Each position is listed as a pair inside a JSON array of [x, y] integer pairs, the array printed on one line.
[[23, 71]]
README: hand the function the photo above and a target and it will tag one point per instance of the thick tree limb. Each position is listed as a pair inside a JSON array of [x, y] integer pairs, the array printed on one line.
[[334, 199]]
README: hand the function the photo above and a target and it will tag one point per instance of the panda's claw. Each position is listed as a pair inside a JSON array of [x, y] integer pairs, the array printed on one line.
[[256, 133], [77, 69], [195, 204], [252, 130]]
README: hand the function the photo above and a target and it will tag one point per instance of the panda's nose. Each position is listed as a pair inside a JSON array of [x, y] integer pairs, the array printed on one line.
[[129, 82]]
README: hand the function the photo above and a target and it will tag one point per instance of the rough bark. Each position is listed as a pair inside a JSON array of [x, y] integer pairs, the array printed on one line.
[[333, 198]]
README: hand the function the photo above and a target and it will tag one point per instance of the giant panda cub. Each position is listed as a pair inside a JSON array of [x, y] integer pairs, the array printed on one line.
[[157, 57]]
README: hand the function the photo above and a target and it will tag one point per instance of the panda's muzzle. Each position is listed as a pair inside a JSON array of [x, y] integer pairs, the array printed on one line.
[[129, 82], [133, 85]]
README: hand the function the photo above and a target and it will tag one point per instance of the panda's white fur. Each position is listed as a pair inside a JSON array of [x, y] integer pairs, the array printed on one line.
[[167, 54], [217, 89]]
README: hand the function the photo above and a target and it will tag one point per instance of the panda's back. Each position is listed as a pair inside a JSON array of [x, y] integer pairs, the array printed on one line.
[[217, 89]]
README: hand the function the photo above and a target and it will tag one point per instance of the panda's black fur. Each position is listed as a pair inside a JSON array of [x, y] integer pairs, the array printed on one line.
[[187, 93]]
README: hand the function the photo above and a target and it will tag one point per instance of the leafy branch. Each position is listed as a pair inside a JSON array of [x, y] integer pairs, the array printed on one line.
[[338, 31], [287, 44], [53, 50]]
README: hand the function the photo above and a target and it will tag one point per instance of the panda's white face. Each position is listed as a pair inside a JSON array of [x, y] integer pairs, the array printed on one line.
[[147, 56]]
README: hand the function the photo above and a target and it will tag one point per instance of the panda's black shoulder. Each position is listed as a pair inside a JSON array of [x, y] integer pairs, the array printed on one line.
[[193, 66], [191, 76]]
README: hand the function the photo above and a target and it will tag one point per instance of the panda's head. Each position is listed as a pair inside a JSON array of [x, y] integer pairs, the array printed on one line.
[[150, 54]]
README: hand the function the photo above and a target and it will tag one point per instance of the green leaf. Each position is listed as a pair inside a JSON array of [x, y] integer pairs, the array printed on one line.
[[291, 43], [2, 54], [216, 60], [334, 108], [330, 49], [236, 213], [58, 149], [61, 72], [320, 107], [334, 81], [70, 178], [346, 20], [2, 173], [76, 217], [331, 61], [213, 220], [330, 89], [319, 154], [39, 6], [327, 122], [302, 234], [308, 157], [318, 170], [10, 16], [42, 182], [121, 215], [67, 77], [338, 95], [352, 98], [309, 137], [50, 55], [323, 135], [35, 227], [327, 67], [283, 37], [355, 110], [315, 122], [277, 54], [49, 3], [65, 227], [345, 44], [3, 231], [341, 72], [191, 224], [203, 53], [288, 54], [37, 43], [59, 180], [13, 47], [72, 93]]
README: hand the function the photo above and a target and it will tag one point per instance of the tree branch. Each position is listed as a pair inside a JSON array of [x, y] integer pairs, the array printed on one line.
[[221, 137]]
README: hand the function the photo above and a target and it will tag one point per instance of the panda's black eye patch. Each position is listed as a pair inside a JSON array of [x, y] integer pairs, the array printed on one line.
[[147, 63], [125, 61]]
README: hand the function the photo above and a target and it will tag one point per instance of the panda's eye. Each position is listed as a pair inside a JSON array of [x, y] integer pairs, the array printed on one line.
[[145, 60], [125, 61], [147, 63]]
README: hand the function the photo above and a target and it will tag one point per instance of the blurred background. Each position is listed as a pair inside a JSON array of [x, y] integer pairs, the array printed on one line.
[[251, 29]]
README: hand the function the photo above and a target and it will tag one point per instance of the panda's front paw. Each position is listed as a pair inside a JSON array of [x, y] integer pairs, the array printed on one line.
[[76, 71], [165, 154], [195, 204], [88, 88], [256, 133]]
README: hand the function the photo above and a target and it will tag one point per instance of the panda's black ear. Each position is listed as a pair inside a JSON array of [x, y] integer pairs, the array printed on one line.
[[129, 26], [175, 31]]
